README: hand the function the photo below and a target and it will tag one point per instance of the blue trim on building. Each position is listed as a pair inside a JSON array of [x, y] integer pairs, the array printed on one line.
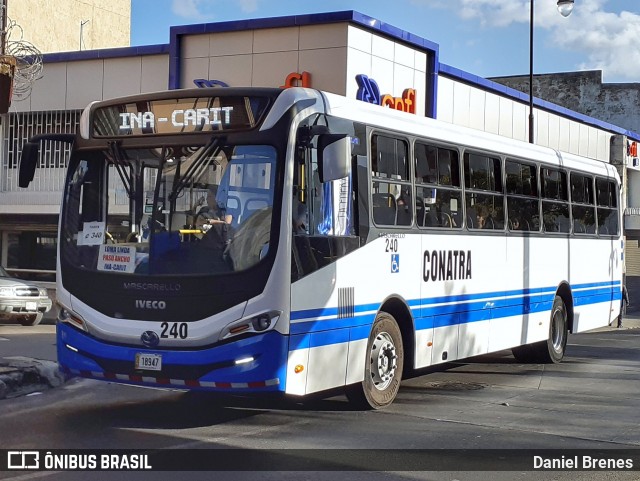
[[350, 16], [105, 53], [508, 92], [434, 68], [175, 46]]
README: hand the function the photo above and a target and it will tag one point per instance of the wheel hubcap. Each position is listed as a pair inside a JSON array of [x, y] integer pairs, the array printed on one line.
[[557, 330], [383, 361]]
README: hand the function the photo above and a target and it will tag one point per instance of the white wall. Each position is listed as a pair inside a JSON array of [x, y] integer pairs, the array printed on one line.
[[264, 57], [333, 54], [462, 104], [394, 66], [74, 84], [54, 26]]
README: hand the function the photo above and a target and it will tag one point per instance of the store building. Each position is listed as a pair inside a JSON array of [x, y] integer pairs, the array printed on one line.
[[68, 25], [340, 52], [617, 103]]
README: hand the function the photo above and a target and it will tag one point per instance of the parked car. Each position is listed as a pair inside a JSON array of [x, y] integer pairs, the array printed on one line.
[[22, 301]]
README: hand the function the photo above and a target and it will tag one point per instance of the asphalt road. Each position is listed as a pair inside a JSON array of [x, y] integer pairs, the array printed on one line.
[[590, 401]]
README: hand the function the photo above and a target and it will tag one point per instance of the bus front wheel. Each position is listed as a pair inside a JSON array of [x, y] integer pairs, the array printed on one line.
[[383, 366], [552, 350]]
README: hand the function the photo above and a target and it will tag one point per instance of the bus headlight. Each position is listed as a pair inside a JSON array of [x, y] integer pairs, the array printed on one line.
[[261, 323], [255, 324], [67, 316]]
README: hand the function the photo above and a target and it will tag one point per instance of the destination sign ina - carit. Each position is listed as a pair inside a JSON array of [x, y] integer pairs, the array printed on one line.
[[179, 115], [219, 116]]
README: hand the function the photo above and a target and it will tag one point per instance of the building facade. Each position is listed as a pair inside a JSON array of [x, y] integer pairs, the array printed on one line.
[[339, 52], [617, 103], [69, 25]]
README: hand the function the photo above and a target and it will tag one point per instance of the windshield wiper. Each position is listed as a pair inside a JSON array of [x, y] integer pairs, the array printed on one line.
[[120, 162], [198, 166]]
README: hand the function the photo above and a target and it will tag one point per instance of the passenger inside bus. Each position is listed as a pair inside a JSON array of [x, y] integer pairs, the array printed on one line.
[[300, 217], [482, 213]]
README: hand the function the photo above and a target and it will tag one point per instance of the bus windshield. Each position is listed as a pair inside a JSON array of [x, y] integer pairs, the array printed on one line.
[[173, 209]]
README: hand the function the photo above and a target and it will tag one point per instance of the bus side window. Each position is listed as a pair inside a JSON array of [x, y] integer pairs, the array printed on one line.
[[438, 193], [555, 203], [390, 186], [522, 196]]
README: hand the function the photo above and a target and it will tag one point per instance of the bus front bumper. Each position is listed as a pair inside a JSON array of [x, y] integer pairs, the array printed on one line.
[[253, 364]]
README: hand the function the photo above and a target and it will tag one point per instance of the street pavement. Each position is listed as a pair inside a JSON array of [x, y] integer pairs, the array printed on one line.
[[21, 375]]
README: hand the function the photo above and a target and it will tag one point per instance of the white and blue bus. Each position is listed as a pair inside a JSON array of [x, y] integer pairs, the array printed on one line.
[[294, 241]]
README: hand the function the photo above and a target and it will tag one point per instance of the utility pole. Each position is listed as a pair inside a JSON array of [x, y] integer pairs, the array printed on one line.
[[82, 24], [7, 63], [3, 26]]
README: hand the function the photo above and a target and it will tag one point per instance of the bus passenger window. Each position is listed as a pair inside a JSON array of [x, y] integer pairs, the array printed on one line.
[[555, 204], [522, 196], [391, 198], [438, 191], [484, 198], [582, 204], [607, 208]]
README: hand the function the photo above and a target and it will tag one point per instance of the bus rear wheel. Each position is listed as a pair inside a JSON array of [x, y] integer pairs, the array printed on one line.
[[383, 366], [552, 350]]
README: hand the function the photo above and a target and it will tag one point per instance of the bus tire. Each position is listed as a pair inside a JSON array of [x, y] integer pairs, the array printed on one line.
[[383, 366], [552, 350]]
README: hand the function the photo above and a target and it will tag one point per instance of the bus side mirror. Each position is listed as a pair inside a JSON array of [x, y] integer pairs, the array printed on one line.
[[30, 151], [334, 151], [28, 163]]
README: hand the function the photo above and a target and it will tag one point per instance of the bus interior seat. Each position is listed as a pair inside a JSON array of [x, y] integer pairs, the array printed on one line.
[[451, 217], [497, 223], [489, 223], [178, 220], [404, 215], [233, 208], [420, 212], [471, 217], [563, 224], [430, 217], [253, 205], [445, 220], [384, 209]]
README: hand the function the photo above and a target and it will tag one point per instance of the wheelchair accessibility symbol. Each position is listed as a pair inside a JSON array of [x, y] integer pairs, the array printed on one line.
[[395, 263]]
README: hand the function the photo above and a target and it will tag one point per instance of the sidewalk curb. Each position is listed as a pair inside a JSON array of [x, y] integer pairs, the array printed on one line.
[[23, 375]]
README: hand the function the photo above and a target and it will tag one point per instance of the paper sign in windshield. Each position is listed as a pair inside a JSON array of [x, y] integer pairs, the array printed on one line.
[[92, 234], [114, 258]]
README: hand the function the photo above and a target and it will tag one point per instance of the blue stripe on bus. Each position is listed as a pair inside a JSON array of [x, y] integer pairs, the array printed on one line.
[[323, 325], [453, 311], [414, 304], [327, 338]]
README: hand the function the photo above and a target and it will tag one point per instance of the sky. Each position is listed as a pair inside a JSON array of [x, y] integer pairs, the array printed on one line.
[[488, 38]]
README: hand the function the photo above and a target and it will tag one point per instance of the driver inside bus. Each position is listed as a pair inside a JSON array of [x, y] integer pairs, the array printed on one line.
[[213, 220]]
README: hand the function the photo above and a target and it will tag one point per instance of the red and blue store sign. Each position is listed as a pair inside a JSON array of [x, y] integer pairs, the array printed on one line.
[[368, 91]]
